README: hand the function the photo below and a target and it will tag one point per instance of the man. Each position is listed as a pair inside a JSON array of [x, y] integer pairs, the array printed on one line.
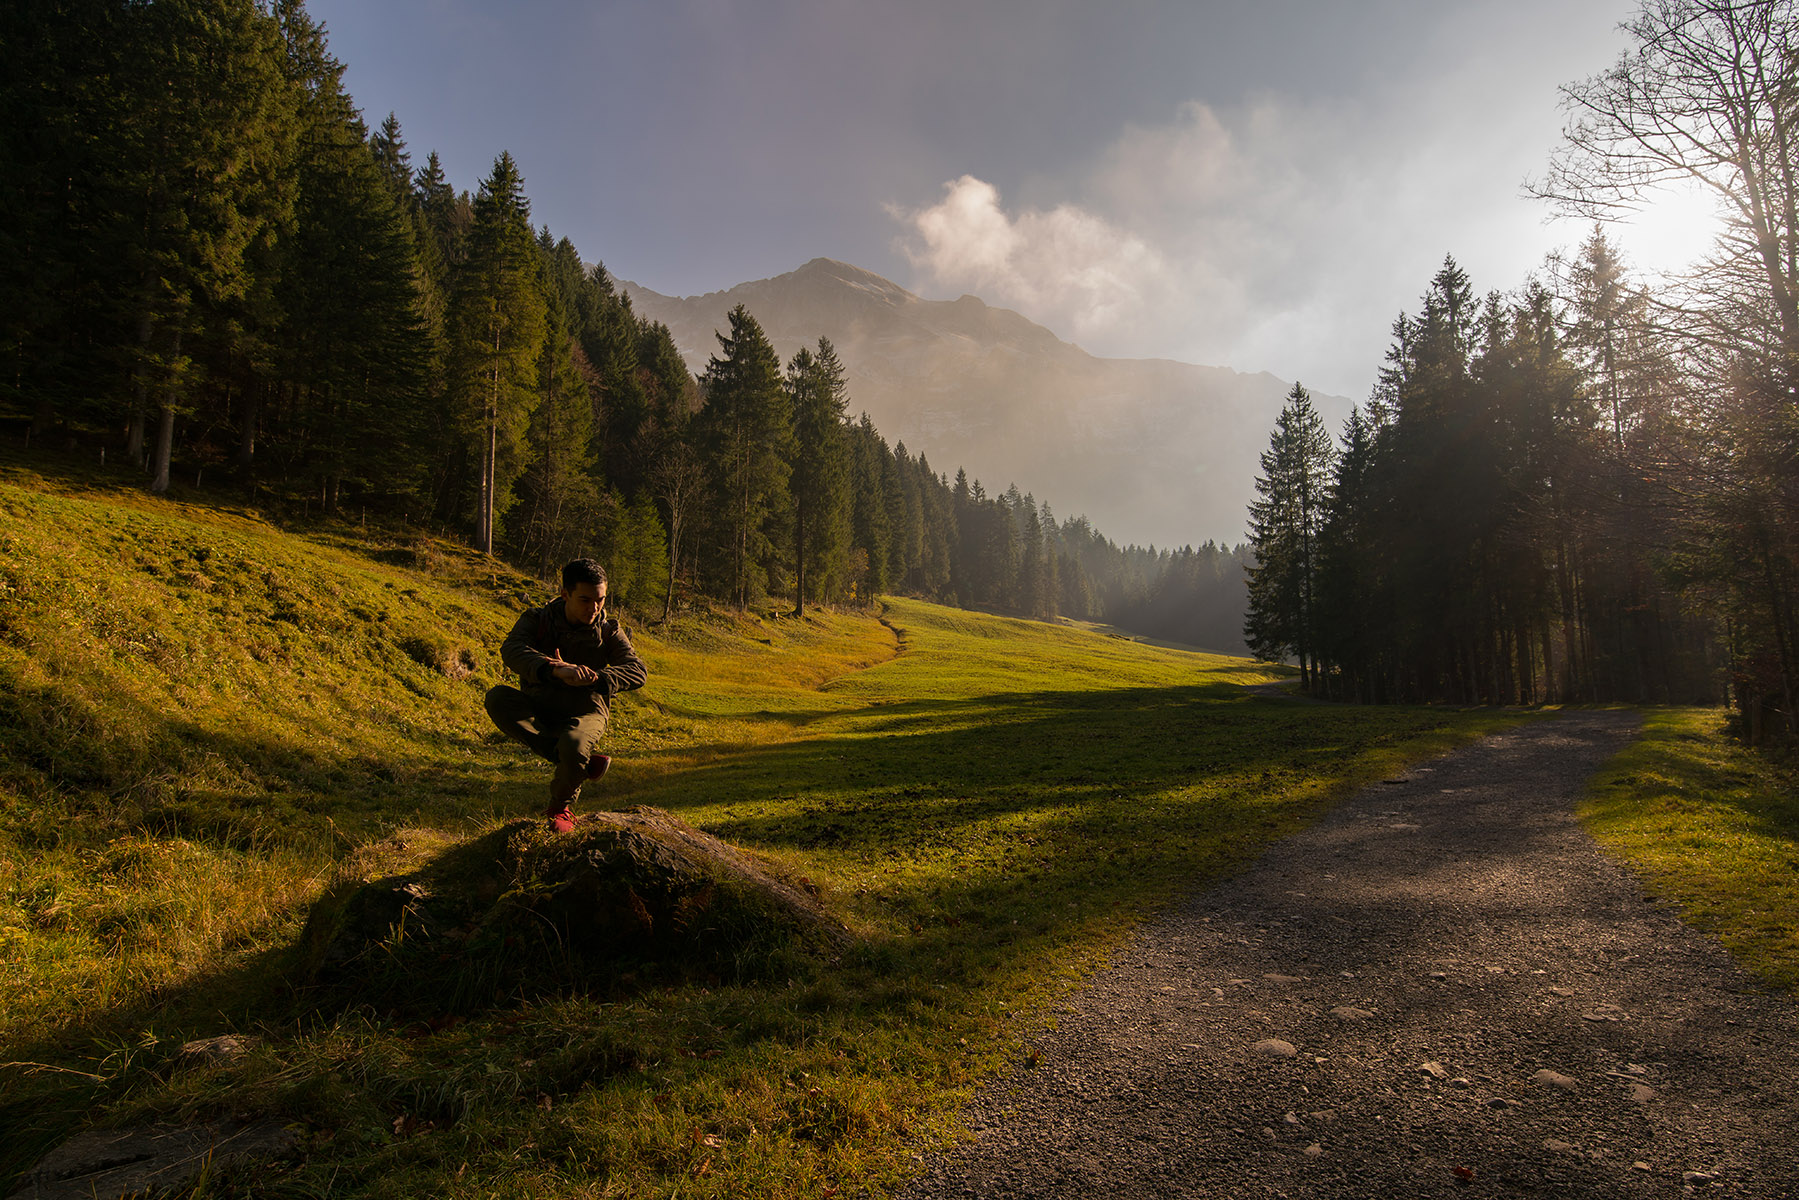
[[571, 660]]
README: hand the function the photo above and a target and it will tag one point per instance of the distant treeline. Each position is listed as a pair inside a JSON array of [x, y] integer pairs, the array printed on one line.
[[212, 267]]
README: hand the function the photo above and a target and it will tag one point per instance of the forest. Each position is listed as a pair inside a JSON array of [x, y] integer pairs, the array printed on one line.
[[1588, 490], [219, 276]]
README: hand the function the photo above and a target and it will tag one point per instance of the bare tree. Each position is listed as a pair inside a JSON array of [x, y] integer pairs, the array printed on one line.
[[1708, 97], [677, 478]]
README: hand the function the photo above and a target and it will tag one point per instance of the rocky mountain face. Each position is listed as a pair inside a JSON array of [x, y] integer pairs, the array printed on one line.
[[1150, 450]]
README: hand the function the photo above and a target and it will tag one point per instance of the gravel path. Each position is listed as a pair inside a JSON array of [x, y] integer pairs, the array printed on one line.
[[1442, 988]]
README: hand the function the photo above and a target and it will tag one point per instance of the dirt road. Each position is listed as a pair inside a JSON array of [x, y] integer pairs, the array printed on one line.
[[1444, 988]]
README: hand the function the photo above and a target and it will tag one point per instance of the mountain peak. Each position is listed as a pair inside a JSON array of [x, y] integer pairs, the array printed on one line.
[[829, 270]]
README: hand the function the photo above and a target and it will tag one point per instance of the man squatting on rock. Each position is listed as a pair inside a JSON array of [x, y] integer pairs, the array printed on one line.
[[571, 660]]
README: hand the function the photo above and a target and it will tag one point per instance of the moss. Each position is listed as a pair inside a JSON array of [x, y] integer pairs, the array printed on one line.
[[520, 913]]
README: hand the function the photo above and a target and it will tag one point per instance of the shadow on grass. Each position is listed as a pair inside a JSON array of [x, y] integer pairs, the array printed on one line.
[[1691, 769], [966, 839], [236, 786]]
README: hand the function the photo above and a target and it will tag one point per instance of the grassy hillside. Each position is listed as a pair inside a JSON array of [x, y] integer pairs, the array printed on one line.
[[205, 719]]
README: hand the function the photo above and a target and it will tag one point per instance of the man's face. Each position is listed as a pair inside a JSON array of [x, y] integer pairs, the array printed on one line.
[[585, 604]]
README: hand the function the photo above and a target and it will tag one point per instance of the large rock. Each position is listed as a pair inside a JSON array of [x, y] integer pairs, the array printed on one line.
[[108, 1163], [522, 908]]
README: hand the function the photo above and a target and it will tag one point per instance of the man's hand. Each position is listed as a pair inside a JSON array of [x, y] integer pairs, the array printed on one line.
[[571, 673]]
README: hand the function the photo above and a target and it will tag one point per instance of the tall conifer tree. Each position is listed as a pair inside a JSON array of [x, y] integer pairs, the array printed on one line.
[[1284, 527], [820, 482], [746, 431], [497, 333]]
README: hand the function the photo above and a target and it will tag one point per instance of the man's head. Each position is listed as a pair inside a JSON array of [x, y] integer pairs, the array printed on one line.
[[584, 592]]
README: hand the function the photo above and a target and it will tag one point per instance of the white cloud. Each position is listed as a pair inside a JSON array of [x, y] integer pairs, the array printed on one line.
[[1196, 239], [1068, 265]]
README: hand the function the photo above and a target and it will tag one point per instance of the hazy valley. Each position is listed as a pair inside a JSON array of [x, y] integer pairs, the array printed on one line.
[[1150, 450]]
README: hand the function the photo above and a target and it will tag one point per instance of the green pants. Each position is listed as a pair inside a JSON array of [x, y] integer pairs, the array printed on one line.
[[567, 741]]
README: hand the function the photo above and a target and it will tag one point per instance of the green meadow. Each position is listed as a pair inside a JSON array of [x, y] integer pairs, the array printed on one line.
[[206, 720], [1711, 828]]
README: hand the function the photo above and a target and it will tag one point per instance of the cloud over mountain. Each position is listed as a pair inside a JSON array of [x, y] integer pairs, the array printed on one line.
[[1067, 262]]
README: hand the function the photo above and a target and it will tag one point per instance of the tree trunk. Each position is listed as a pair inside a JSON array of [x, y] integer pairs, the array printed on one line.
[[488, 484], [134, 437], [165, 443], [799, 559], [165, 433], [1782, 646], [43, 415], [674, 553], [246, 446]]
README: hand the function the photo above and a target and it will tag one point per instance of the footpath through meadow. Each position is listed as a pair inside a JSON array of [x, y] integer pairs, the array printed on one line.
[[1442, 988]]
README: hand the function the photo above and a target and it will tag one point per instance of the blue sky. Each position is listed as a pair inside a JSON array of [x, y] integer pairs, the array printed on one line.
[[1257, 186]]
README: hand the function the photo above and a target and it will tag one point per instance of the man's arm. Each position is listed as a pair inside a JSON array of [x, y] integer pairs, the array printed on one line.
[[623, 670], [520, 654]]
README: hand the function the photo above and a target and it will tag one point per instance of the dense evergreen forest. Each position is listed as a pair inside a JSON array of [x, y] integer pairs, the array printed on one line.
[[215, 271], [1587, 490]]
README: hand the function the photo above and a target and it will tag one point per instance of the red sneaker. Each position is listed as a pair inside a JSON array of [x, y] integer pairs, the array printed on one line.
[[562, 820], [596, 766]]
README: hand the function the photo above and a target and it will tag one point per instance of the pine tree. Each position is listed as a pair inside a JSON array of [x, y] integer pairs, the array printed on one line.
[[66, 150], [746, 432], [560, 507], [497, 332], [1349, 562], [870, 536], [388, 146], [202, 184], [1284, 527], [819, 400], [648, 558], [355, 351]]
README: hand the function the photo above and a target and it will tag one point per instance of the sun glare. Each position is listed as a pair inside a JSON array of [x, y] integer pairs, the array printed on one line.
[[1673, 230]]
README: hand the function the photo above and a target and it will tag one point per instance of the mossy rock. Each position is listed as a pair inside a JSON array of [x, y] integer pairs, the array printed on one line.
[[523, 910]]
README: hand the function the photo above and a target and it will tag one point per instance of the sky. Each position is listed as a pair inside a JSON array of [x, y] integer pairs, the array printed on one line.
[[1260, 186]]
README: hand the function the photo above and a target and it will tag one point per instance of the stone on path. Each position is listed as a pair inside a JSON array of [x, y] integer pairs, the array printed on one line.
[[217, 1051], [1274, 1048], [1554, 1079], [1434, 1070], [1344, 1012]]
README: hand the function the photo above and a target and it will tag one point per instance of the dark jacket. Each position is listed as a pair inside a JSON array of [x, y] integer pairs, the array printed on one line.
[[604, 647]]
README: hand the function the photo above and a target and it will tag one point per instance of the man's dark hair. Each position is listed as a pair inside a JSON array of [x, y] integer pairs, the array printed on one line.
[[582, 570]]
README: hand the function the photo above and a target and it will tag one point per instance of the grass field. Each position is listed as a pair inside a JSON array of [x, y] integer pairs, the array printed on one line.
[[1710, 827], [204, 719]]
